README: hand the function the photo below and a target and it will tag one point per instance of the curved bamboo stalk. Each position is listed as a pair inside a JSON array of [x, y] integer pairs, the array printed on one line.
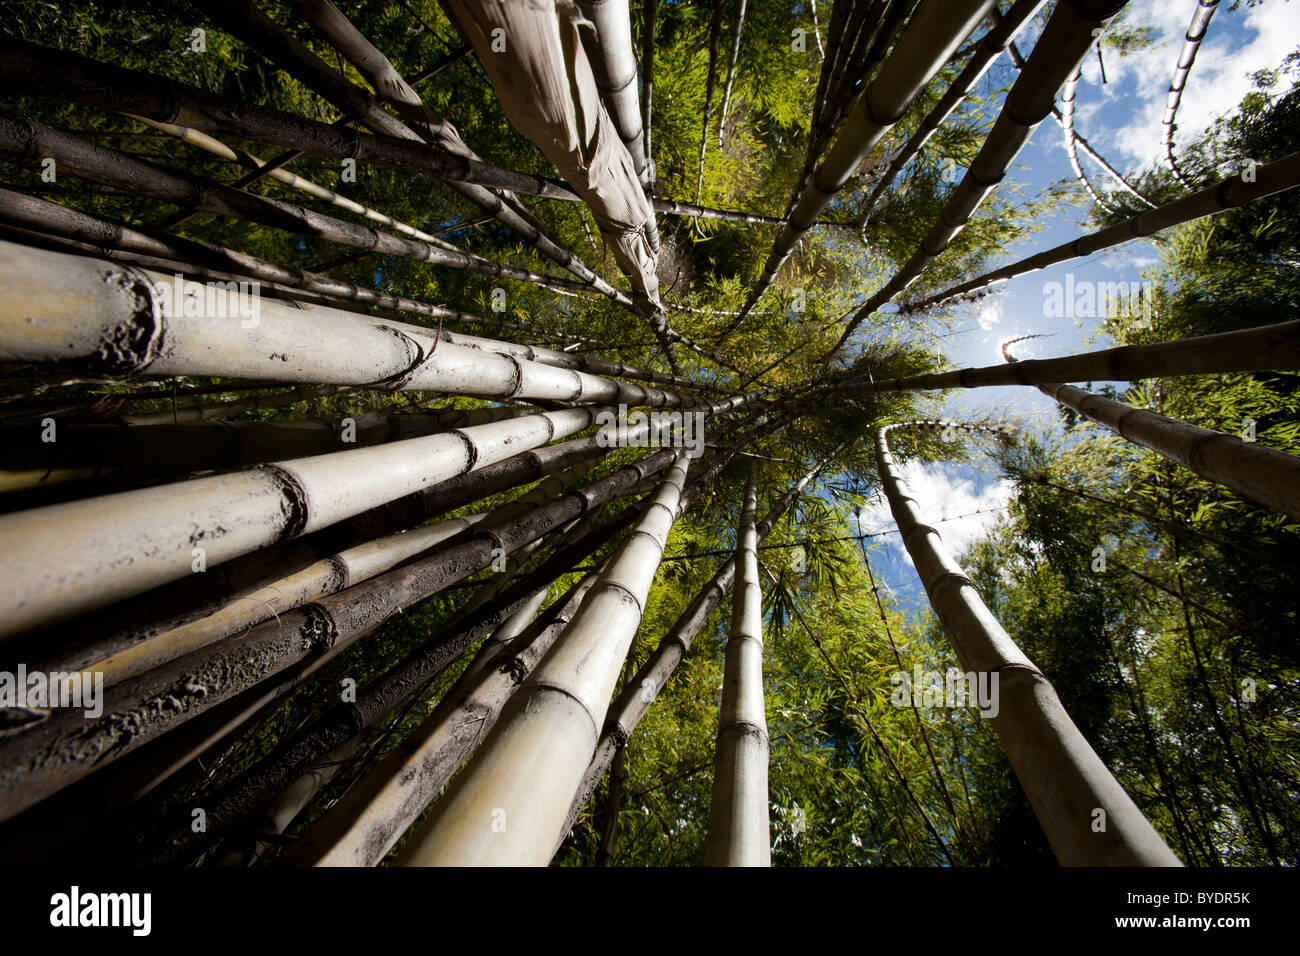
[[1069, 93], [1065, 41], [1068, 786], [614, 65], [1266, 348], [1196, 31], [645, 686], [935, 31], [995, 42], [1018, 62], [738, 833], [1235, 191], [532, 761]]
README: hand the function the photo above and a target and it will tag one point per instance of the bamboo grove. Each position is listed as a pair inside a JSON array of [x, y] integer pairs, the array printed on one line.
[[395, 391]]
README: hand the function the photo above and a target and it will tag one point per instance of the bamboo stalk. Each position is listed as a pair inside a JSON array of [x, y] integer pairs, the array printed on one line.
[[1265, 348], [1253, 471], [1070, 33], [1068, 95], [371, 818], [995, 42], [66, 76], [532, 761], [614, 64], [731, 70], [68, 558], [1253, 184], [935, 31], [645, 686], [236, 801], [28, 142], [1186, 59], [1068, 786], [738, 833]]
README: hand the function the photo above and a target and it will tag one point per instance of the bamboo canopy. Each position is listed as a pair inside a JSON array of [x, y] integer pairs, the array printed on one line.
[[247, 463]]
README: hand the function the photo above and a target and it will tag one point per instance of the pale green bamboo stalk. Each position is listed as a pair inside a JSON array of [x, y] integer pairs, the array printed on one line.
[[509, 804], [1087, 817], [738, 833]]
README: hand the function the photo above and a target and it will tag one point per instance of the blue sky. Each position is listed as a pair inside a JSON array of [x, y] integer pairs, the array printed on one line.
[[1121, 119]]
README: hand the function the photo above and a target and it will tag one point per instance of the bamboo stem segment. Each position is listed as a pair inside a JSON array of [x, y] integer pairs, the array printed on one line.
[[738, 833], [1087, 817]]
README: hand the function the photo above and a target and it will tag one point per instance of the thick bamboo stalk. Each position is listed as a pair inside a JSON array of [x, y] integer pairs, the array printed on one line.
[[614, 65], [524, 776], [241, 800], [123, 320], [1253, 471], [35, 214], [1070, 33], [1186, 59], [738, 833], [68, 558], [1252, 184], [64, 747], [1085, 813], [995, 42], [1266, 348], [167, 450], [935, 31], [645, 686], [28, 142], [362, 827], [182, 601]]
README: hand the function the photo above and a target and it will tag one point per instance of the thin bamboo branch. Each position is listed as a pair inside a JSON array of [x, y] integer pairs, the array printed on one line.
[[1196, 31]]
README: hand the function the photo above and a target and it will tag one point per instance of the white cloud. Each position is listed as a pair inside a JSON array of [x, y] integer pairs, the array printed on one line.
[[1238, 44], [948, 501]]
